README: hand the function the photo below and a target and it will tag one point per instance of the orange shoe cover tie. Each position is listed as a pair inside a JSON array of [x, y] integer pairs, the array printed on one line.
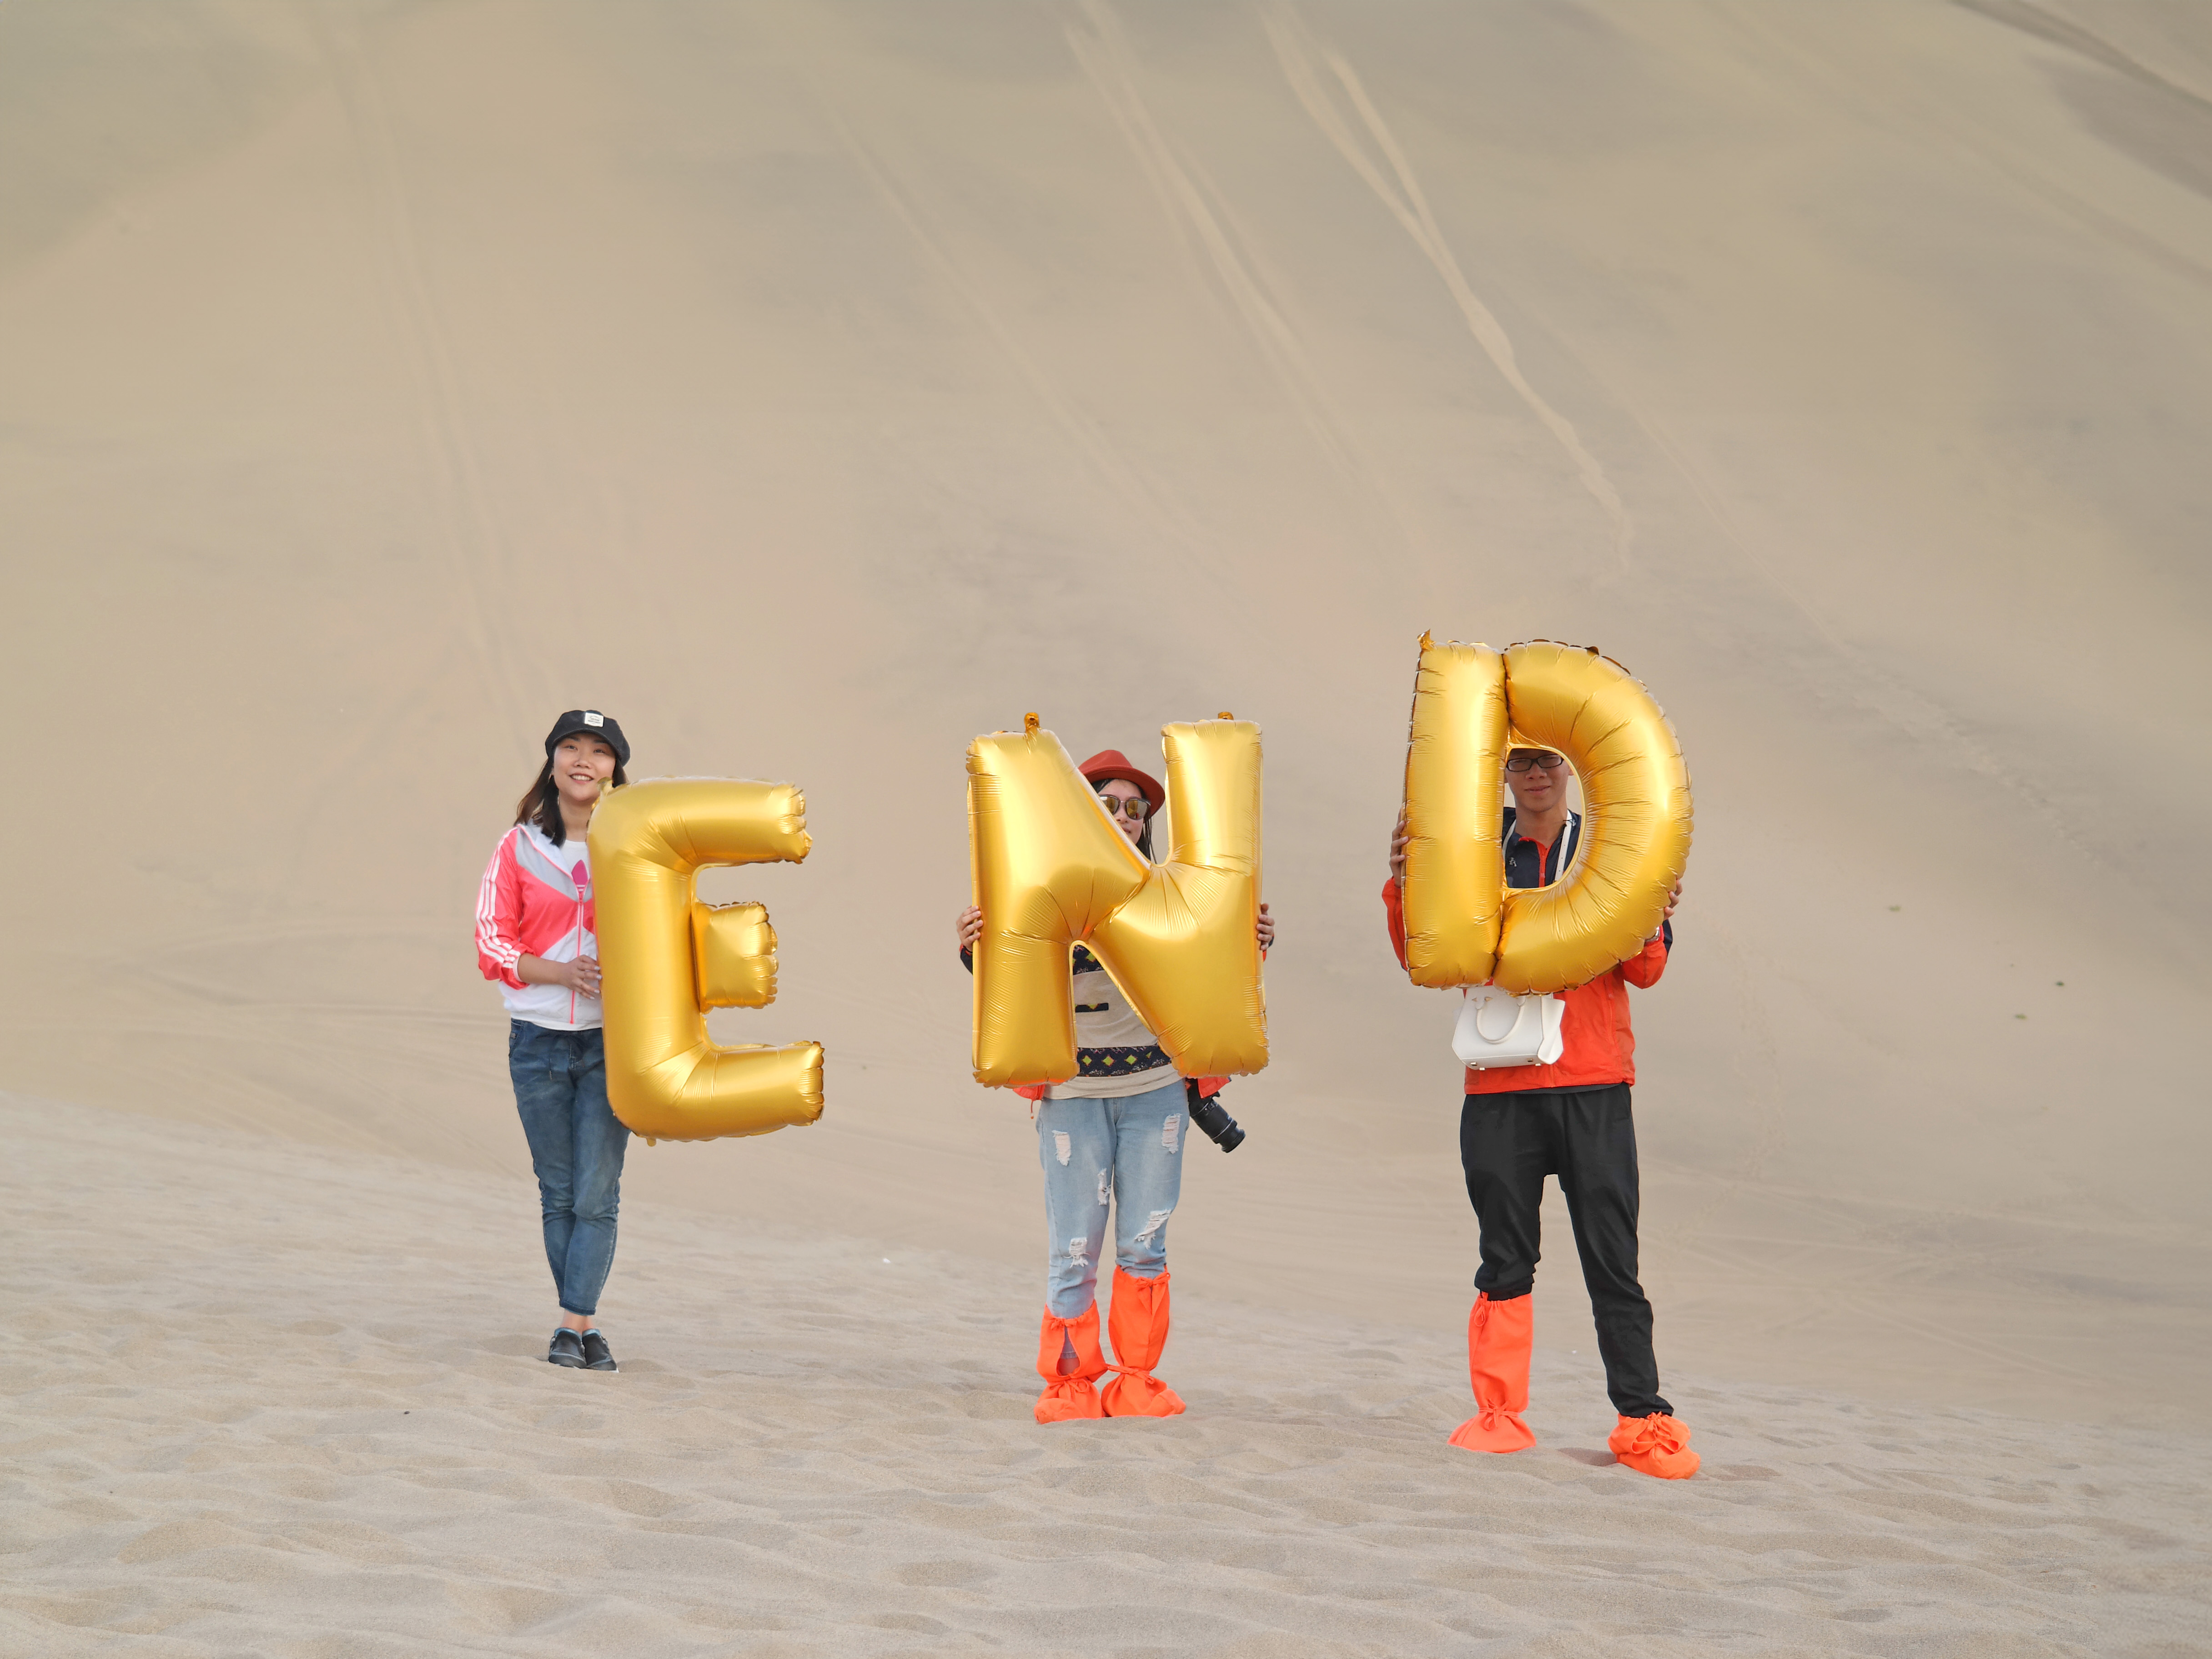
[[1655, 1445], [1499, 1335], [1138, 1323], [1066, 1398]]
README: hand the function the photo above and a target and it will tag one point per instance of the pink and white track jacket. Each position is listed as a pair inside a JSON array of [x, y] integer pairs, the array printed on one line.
[[536, 900]]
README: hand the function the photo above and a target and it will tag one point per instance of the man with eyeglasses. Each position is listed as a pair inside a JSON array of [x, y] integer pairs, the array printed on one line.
[[1571, 1119]]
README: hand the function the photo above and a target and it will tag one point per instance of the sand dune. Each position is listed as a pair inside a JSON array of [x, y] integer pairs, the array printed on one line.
[[233, 1432], [817, 385]]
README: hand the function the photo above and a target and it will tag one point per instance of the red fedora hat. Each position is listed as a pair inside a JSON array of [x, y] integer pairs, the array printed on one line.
[[1110, 763]]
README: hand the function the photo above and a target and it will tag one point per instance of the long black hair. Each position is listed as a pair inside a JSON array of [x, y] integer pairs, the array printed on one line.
[[541, 803]]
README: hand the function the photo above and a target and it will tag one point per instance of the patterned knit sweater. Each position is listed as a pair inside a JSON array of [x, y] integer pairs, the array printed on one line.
[[1114, 1052]]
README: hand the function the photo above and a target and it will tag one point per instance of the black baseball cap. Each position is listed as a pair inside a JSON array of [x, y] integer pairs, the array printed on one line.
[[591, 723]]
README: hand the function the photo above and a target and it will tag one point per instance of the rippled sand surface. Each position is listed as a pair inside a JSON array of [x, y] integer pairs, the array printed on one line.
[[271, 1400], [816, 384]]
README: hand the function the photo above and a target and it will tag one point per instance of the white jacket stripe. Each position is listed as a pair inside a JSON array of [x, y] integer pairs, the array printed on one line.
[[504, 952]]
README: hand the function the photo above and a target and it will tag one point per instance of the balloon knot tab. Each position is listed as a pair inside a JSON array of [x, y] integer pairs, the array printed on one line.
[[1030, 724], [1224, 715]]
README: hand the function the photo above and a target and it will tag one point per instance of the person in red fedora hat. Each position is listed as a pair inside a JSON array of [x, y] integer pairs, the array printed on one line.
[[1112, 1135]]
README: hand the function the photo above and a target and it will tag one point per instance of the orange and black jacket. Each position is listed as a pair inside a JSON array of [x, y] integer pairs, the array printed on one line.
[[1599, 1046]]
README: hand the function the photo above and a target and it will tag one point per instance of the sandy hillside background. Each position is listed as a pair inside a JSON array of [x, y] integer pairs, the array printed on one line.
[[816, 386]]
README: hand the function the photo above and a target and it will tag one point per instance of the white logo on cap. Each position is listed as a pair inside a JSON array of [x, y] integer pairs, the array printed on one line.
[[592, 717]]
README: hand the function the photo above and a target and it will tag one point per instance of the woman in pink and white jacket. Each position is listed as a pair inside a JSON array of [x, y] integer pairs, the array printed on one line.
[[535, 935]]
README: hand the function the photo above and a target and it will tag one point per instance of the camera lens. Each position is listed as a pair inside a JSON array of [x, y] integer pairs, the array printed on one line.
[[1217, 1126]]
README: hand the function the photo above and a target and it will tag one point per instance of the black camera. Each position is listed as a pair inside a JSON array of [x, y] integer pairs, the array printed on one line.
[[1207, 1116]]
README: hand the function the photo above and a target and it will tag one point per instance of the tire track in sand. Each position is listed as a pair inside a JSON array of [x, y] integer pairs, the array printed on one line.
[[1164, 515], [1303, 57], [477, 558], [1104, 53], [1200, 213]]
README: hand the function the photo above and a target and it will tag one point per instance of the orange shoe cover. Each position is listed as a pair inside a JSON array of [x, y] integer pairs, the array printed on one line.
[[1498, 1337], [1138, 1323], [1073, 1395], [1657, 1444]]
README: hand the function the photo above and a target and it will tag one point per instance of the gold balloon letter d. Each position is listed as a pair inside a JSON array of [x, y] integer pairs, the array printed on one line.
[[668, 958], [1472, 707]]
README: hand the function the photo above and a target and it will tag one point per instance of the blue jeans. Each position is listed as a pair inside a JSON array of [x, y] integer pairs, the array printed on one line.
[[576, 1145], [1129, 1150]]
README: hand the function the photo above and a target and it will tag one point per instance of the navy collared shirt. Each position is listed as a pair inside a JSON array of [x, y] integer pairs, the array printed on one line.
[[1531, 864]]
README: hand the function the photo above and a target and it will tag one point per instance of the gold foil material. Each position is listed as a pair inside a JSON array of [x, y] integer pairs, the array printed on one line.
[[732, 955], [1050, 870], [1454, 899], [1637, 816], [665, 958]]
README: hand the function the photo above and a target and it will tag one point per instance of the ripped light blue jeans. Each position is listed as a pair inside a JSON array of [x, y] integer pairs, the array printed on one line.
[[1127, 1150]]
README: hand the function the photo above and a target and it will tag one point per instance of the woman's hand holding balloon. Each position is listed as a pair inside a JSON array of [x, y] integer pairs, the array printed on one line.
[[1266, 929], [1399, 837]]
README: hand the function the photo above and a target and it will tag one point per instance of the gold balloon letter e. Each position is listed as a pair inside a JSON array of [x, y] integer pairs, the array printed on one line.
[[1471, 706], [1051, 870], [668, 958]]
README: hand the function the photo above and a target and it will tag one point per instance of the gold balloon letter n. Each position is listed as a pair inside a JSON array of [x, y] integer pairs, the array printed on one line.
[[668, 958], [1051, 872]]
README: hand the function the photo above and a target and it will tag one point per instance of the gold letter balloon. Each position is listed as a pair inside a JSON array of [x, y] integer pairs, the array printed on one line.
[[1472, 705], [1051, 870], [668, 958]]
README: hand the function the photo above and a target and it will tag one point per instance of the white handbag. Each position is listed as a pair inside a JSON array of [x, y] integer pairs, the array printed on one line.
[[1499, 1029]]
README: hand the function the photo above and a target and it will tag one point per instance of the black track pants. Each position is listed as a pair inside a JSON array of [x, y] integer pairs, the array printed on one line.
[[1508, 1143]]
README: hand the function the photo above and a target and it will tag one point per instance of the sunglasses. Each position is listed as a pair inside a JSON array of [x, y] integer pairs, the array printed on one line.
[[1136, 807], [1522, 763]]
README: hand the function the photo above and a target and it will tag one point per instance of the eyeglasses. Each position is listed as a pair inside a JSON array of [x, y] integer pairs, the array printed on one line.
[[1136, 806], [1522, 763]]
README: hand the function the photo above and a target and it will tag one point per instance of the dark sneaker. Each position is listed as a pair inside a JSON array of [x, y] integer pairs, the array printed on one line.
[[567, 1350], [597, 1357]]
